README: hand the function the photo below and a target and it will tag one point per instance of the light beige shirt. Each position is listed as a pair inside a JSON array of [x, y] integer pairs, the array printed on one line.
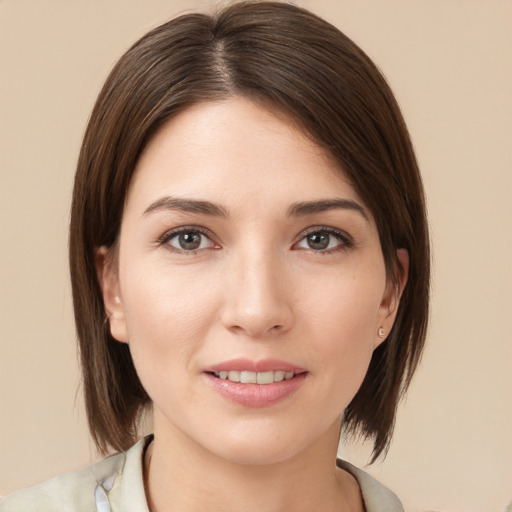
[[115, 484]]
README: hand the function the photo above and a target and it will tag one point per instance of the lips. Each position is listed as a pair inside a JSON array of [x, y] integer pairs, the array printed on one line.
[[262, 365], [255, 383]]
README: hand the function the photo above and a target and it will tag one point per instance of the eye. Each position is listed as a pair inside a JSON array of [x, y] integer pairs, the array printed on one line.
[[187, 240], [324, 240]]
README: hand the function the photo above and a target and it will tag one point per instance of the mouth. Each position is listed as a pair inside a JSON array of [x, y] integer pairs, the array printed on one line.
[[250, 377], [257, 384]]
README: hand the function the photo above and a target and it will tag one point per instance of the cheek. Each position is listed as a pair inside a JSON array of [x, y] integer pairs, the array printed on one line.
[[346, 306], [167, 314], [342, 320]]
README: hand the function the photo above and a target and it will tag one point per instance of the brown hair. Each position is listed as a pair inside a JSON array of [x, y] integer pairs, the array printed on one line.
[[293, 62]]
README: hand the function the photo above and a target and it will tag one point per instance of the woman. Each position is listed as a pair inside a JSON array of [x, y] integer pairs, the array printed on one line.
[[250, 261]]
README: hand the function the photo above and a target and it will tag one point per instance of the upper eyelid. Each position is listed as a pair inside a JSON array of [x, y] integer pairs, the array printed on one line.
[[328, 229], [183, 229]]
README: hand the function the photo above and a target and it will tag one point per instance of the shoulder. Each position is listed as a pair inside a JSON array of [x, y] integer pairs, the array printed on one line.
[[376, 497], [77, 491], [68, 492]]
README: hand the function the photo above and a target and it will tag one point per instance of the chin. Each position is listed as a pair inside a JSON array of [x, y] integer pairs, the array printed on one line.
[[261, 446], [250, 454]]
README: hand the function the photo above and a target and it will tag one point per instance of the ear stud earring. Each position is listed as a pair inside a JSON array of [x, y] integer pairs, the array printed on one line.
[[117, 300], [381, 332]]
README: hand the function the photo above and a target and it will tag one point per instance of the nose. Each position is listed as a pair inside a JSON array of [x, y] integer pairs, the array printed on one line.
[[258, 296]]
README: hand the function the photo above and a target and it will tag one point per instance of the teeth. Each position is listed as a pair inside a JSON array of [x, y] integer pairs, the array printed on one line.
[[234, 376], [246, 377], [265, 378]]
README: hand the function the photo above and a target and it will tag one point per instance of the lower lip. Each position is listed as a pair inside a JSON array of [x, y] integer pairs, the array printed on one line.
[[256, 395]]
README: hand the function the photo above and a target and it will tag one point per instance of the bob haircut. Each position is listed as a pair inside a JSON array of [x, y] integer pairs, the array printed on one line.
[[293, 63]]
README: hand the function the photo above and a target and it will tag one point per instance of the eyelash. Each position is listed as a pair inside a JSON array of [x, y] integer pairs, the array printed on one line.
[[169, 235], [346, 241]]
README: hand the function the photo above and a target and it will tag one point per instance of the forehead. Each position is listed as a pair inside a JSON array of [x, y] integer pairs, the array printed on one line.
[[235, 150]]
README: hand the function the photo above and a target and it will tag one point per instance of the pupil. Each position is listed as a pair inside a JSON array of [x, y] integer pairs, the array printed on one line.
[[190, 241], [318, 240]]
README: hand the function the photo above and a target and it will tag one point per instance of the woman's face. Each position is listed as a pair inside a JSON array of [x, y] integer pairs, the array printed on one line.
[[245, 255]]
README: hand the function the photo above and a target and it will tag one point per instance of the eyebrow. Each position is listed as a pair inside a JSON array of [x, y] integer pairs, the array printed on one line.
[[310, 207], [298, 209], [186, 205]]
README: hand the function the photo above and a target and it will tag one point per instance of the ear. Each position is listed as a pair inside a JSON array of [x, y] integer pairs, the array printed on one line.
[[106, 269], [391, 299]]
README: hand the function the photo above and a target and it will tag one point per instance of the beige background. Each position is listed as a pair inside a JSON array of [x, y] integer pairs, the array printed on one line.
[[450, 64]]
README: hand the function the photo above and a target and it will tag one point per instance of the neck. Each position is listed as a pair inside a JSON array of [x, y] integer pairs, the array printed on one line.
[[180, 475]]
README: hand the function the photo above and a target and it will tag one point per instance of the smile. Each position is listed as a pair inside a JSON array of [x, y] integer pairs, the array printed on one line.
[[248, 377]]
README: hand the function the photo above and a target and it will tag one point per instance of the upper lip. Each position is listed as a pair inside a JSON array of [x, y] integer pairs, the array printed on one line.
[[262, 365]]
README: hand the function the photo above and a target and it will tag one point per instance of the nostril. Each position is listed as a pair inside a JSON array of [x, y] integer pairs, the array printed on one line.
[[258, 318]]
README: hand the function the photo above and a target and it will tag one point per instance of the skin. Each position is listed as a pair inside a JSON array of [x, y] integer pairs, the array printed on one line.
[[257, 287]]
